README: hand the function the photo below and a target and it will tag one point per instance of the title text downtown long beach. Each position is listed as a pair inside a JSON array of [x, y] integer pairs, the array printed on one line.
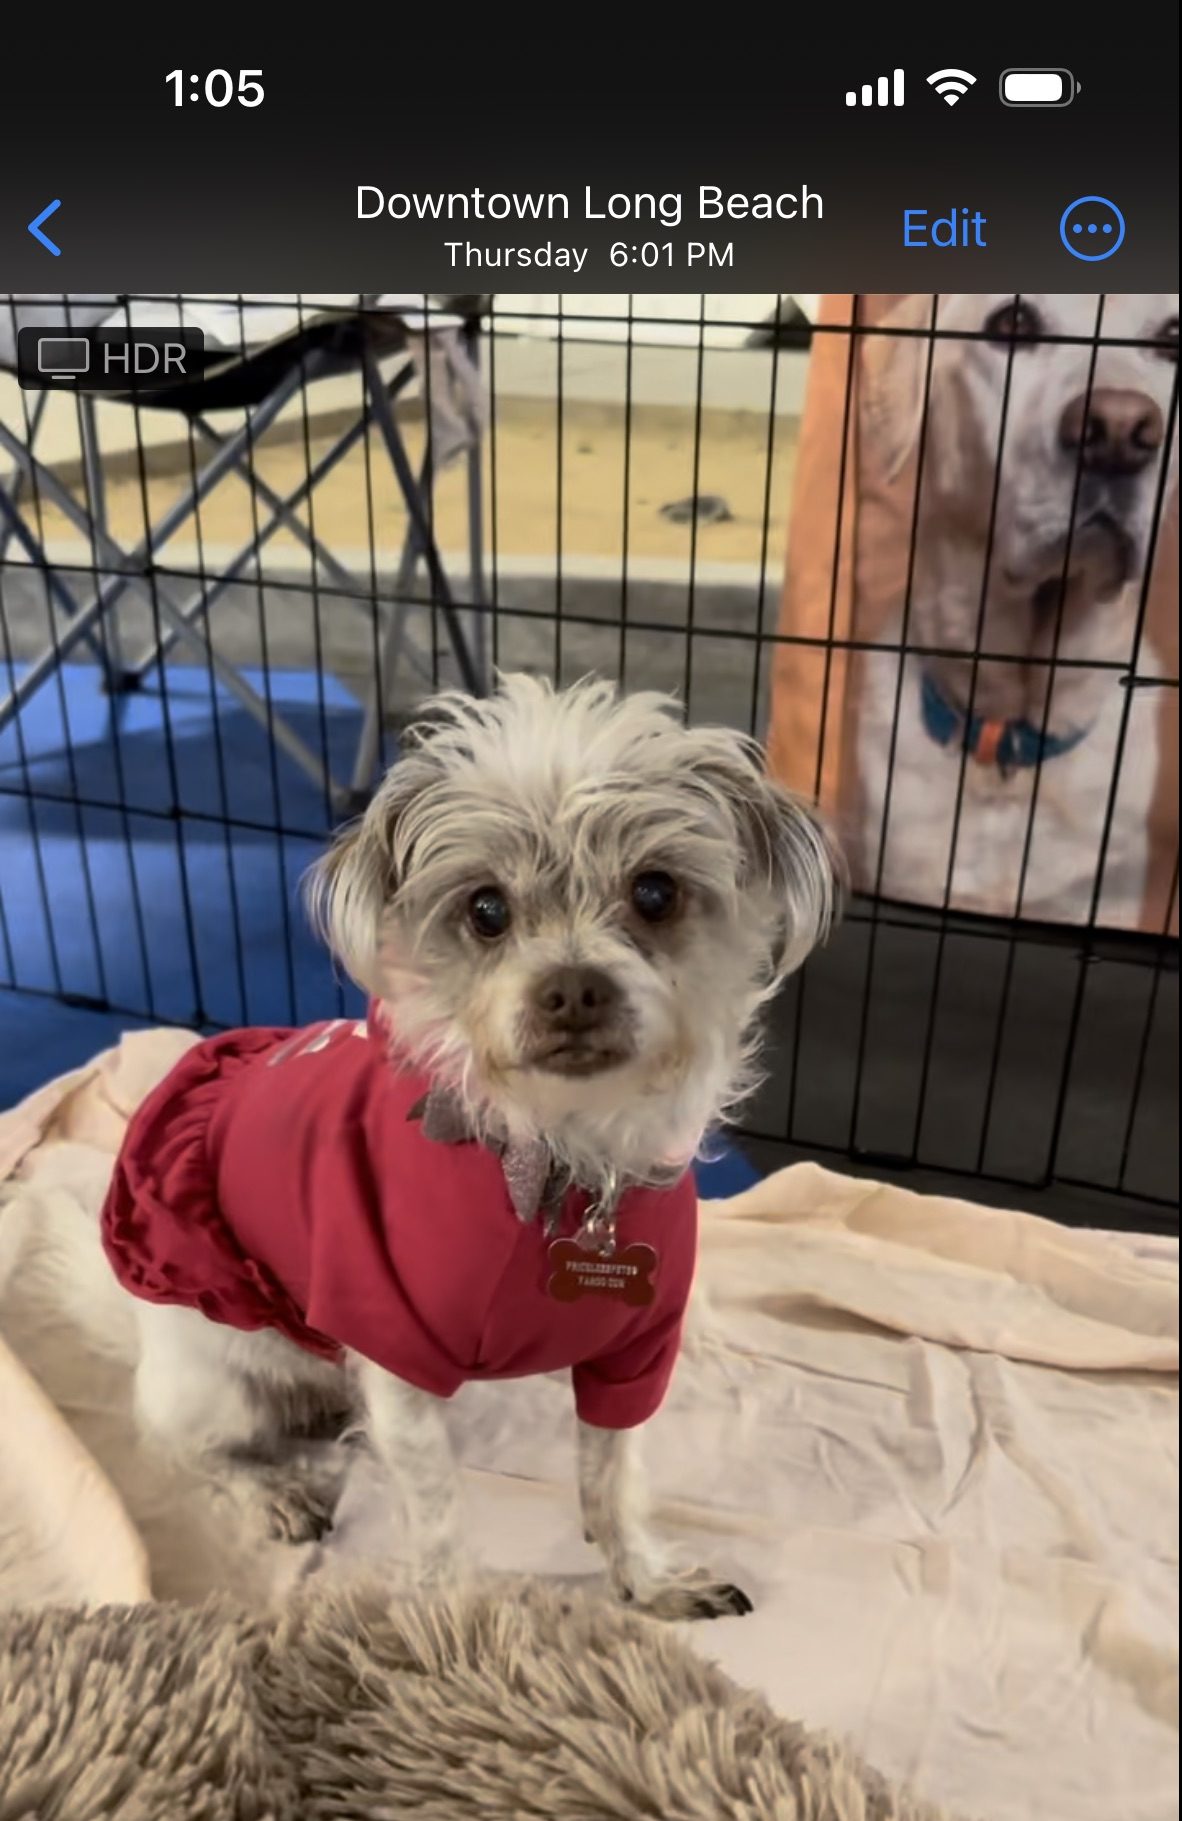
[[667, 207]]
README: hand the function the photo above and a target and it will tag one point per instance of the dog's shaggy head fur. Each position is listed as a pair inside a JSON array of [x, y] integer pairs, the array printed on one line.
[[573, 906]]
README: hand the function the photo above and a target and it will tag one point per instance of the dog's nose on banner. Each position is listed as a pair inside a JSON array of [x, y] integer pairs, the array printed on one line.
[[1118, 431]]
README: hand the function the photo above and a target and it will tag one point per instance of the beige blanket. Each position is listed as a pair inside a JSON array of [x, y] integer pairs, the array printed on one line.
[[937, 1443]]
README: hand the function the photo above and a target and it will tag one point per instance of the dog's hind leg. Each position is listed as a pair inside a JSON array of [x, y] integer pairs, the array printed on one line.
[[615, 1515], [216, 1398]]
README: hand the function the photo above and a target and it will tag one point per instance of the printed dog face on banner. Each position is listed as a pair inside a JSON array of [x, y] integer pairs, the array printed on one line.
[[1021, 458], [1043, 426]]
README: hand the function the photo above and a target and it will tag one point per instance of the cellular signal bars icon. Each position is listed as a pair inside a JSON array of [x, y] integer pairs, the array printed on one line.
[[890, 92]]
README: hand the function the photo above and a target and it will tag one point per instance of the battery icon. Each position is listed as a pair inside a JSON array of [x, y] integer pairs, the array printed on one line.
[[1038, 88]]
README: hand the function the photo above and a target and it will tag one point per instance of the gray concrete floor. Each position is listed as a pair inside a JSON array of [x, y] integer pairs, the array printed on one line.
[[536, 622]]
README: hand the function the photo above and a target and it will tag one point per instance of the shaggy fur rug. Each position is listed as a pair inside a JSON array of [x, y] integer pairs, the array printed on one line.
[[353, 1704]]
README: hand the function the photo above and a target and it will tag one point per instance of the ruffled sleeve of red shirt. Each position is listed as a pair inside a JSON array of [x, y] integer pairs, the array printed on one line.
[[162, 1230], [623, 1389]]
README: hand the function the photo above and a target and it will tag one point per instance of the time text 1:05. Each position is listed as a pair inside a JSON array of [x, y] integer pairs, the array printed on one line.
[[217, 88]]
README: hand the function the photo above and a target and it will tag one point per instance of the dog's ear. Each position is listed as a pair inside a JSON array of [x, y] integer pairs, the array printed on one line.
[[791, 845], [893, 372], [350, 888], [787, 852]]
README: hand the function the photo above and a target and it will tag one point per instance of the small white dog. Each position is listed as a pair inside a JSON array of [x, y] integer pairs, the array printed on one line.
[[568, 909]]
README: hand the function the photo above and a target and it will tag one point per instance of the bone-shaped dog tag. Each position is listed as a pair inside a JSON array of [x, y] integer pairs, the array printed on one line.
[[577, 1271]]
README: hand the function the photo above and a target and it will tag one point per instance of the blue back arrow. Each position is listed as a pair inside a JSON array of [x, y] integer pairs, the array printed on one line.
[[35, 227]]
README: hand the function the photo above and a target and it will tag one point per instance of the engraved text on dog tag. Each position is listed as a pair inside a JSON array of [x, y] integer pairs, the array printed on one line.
[[577, 1271]]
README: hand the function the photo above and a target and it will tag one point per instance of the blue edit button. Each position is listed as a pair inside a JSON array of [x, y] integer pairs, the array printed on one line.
[[955, 227]]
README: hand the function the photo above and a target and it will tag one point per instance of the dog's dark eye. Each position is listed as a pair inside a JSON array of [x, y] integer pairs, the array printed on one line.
[[1168, 333], [1014, 321], [654, 896], [488, 912]]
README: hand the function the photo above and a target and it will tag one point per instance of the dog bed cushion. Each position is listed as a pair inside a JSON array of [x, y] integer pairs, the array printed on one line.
[[494, 1706]]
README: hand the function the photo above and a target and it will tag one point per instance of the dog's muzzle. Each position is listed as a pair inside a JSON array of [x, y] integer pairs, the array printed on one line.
[[1104, 544]]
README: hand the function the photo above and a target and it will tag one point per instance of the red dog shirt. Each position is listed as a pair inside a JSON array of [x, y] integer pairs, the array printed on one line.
[[281, 1179]]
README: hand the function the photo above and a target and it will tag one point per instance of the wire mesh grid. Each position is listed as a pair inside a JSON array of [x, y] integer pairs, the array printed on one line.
[[155, 835]]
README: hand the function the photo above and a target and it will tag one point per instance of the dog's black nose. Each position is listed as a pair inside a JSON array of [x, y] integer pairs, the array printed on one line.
[[1113, 431], [575, 998]]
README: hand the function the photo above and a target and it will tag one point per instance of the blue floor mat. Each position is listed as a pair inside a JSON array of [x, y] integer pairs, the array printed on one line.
[[140, 868], [146, 871], [42, 1038]]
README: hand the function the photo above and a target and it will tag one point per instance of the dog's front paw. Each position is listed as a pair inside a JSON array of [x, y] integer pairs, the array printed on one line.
[[695, 1597]]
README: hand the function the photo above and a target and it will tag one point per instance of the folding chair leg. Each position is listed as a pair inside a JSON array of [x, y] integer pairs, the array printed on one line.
[[284, 514], [12, 525], [440, 586], [199, 603], [393, 637], [16, 485], [284, 509], [42, 667], [277, 729], [79, 626], [131, 564], [389, 653]]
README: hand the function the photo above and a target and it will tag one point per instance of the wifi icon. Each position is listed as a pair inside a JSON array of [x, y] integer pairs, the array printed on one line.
[[951, 84]]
